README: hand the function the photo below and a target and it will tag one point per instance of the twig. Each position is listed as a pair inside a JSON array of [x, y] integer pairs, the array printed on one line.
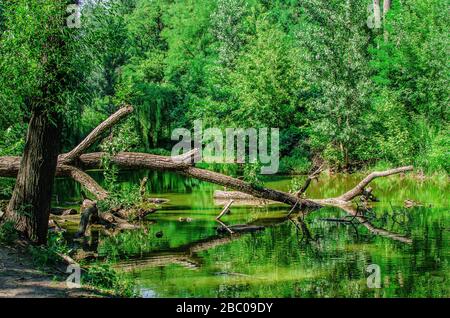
[[293, 208], [225, 210], [311, 176], [224, 225]]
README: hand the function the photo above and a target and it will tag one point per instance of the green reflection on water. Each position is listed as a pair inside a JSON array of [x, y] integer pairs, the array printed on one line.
[[327, 259]]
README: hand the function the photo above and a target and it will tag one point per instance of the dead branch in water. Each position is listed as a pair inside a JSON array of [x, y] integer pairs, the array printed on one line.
[[311, 176], [359, 189], [225, 210], [73, 163]]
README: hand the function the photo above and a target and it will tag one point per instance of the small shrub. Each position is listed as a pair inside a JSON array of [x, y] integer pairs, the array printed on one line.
[[6, 188], [294, 165], [48, 255], [8, 233], [103, 276]]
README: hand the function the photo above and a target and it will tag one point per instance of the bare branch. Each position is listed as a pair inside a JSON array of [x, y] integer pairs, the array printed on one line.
[[311, 176], [225, 210], [85, 180], [96, 134], [358, 190]]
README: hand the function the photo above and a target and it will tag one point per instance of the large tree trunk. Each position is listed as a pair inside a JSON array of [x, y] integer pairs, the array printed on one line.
[[29, 207]]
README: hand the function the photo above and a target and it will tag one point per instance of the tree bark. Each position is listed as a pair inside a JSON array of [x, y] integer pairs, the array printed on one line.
[[85, 180], [29, 207], [377, 13], [133, 160], [9, 167], [386, 6]]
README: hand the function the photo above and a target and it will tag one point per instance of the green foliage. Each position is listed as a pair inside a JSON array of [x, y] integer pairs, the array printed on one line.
[[337, 89], [6, 188], [8, 233], [104, 277], [130, 243], [251, 174], [391, 139], [335, 42], [267, 81], [123, 138], [30, 79], [119, 197], [417, 69], [229, 30], [435, 155], [297, 163], [12, 140], [44, 256], [410, 63]]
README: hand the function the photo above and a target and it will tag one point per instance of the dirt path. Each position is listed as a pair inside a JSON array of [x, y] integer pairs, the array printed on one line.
[[19, 278]]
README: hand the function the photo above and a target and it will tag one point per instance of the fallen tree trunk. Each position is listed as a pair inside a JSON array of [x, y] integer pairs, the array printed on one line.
[[9, 167], [232, 195], [72, 164]]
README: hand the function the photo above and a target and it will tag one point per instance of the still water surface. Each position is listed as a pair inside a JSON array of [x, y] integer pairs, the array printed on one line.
[[316, 257]]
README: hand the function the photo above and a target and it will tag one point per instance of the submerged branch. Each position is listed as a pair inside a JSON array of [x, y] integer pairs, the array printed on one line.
[[374, 230]]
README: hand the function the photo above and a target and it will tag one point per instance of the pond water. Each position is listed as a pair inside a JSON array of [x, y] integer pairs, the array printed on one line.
[[311, 257]]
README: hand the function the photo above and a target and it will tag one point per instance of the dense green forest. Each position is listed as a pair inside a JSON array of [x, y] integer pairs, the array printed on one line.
[[338, 89]]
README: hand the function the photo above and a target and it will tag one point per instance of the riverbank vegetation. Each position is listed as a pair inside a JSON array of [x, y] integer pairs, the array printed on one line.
[[340, 91]]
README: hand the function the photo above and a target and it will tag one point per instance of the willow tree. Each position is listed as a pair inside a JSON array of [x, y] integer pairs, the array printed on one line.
[[40, 72]]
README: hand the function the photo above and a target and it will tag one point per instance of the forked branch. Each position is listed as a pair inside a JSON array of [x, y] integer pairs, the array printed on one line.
[[359, 189]]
